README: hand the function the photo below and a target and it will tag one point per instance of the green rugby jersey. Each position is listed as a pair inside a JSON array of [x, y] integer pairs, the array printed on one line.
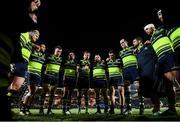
[[70, 67], [128, 58], [36, 62], [53, 64], [174, 35], [84, 70], [99, 70], [26, 44], [114, 67], [161, 43]]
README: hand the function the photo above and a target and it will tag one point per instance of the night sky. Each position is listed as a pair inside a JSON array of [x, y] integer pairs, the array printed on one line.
[[93, 26]]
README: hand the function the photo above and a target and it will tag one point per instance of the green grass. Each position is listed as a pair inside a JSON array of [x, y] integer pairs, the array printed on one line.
[[58, 116]]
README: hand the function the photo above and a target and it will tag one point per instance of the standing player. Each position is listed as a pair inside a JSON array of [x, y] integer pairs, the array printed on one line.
[[147, 60], [70, 80], [35, 64], [83, 84], [115, 80], [130, 73], [100, 82], [51, 77], [173, 32], [163, 47]]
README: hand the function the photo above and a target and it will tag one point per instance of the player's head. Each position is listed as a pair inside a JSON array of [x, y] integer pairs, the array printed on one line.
[[136, 41], [58, 50], [123, 43], [43, 47], [149, 29], [86, 55], [71, 56], [37, 48], [111, 54], [34, 35], [97, 58]]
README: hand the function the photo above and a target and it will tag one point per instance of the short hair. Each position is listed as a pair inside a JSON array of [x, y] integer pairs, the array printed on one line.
[[97, 54], [139, 38], [86, 52], [111, 51], [42, 43], [124, 40], [58, 46]]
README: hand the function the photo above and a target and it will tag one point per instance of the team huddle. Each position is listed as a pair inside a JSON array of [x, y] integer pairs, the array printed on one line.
[[141, 64], [146, 64]]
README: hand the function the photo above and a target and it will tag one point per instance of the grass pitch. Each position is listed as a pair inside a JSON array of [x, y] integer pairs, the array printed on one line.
[[74, 116]]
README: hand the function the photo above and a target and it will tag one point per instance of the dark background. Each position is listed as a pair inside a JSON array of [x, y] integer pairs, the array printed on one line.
[[96, 26]]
